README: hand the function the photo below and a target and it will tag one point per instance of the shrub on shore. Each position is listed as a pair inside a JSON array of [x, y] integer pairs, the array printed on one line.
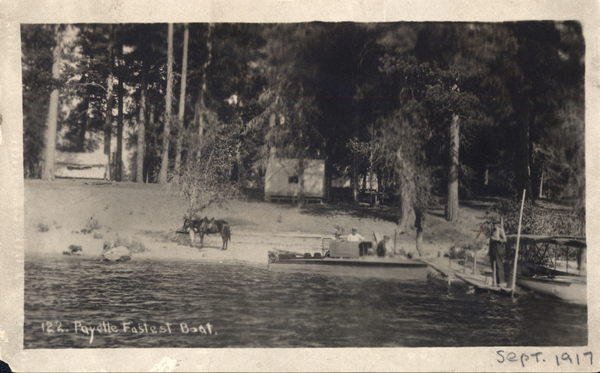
[[93, 224], [539, 220], [43, 227]]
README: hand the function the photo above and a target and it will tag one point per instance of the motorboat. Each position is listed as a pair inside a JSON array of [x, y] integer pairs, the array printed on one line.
[[553, 266], [348, 259]]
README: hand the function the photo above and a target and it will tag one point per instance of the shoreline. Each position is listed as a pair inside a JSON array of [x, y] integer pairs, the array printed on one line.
[[246, 247], [148, 215]]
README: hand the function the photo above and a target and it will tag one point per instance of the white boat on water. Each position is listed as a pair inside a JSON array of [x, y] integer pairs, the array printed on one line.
[[538, 266], [568, 288]]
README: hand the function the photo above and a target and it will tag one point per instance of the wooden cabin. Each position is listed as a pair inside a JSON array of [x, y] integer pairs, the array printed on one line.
[[285, 177], [81, 165]]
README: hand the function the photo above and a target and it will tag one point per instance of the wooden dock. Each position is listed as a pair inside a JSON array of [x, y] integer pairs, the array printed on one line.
[[480, 278]]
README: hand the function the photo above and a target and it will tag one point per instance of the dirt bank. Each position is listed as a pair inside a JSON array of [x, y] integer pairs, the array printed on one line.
[[149, 215]]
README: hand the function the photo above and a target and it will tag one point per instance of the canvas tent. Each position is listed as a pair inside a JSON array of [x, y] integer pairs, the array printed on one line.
[[284, 177], [80, 165]]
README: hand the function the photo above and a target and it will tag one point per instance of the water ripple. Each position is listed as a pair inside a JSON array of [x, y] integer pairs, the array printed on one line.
[[250, 307]]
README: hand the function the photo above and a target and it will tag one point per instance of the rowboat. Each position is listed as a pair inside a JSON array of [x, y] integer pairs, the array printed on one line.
[[348, 259], [543, 266]]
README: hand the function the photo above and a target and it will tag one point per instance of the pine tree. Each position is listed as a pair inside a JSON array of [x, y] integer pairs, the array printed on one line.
[[50, 143], [168, 103]]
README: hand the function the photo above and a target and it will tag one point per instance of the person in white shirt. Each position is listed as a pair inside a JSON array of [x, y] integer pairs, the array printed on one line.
[[354, 236]]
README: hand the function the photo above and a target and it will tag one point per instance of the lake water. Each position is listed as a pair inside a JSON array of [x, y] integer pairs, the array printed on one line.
[[169, 304]]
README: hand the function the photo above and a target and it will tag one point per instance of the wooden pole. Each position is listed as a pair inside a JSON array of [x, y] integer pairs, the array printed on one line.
[[395, 236], [514, 279], [449, 272], [579, 261], [541, 195]]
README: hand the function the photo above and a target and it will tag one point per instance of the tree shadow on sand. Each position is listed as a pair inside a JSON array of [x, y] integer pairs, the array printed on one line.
[[333, 210]]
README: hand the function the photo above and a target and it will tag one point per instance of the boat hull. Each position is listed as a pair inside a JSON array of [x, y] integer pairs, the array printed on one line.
[[568, 288], [402, 270]]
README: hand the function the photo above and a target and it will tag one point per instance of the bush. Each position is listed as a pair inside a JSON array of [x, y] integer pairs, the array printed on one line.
[[204, 178], [461, 252], [92, 224], [43, 227], [538, 219]]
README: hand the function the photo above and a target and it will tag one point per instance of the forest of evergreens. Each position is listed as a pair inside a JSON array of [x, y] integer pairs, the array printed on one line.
[[434, 110]]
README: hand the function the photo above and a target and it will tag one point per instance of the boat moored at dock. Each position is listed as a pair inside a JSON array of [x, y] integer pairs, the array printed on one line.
[[349, 259], [543, 266]]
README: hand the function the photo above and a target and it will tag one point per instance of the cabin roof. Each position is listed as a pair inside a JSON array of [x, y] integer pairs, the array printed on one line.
[[76, 158]]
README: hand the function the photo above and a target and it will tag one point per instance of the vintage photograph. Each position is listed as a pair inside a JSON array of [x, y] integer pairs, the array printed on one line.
[[312, 184]]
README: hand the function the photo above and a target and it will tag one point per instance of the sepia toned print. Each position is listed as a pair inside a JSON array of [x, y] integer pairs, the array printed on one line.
[[426, 133], [375, 192]]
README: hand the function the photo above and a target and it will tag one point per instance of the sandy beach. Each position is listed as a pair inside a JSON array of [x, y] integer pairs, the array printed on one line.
[[62, 213]]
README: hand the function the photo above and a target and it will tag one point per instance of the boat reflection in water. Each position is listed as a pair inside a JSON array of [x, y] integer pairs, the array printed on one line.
[[349, 259], [543, 266]]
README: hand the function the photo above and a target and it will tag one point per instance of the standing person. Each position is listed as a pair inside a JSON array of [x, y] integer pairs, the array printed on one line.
[[382, 250], [338, 233], [354, 236], [497, 252]]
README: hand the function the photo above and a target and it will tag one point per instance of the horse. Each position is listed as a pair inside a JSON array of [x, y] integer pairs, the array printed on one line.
[[205, 226], [213, 226]]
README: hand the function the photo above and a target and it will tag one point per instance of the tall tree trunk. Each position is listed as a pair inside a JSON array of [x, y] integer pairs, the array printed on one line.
[[198, 119], [201, 105], [372, 196], [406, 204], [301, 169], [364, 182], [525, 158], [180, 125], [197, 114], [405, 208], [141, 132], [419, 219], [273, 148], [541, 191], [168, 102], [405, 176], [452, 206], [355, 180], [151, 168], [109, 105], [119, 155], [205, 67], [86, 105], [50, 143], [328, 177], [524, 119]]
